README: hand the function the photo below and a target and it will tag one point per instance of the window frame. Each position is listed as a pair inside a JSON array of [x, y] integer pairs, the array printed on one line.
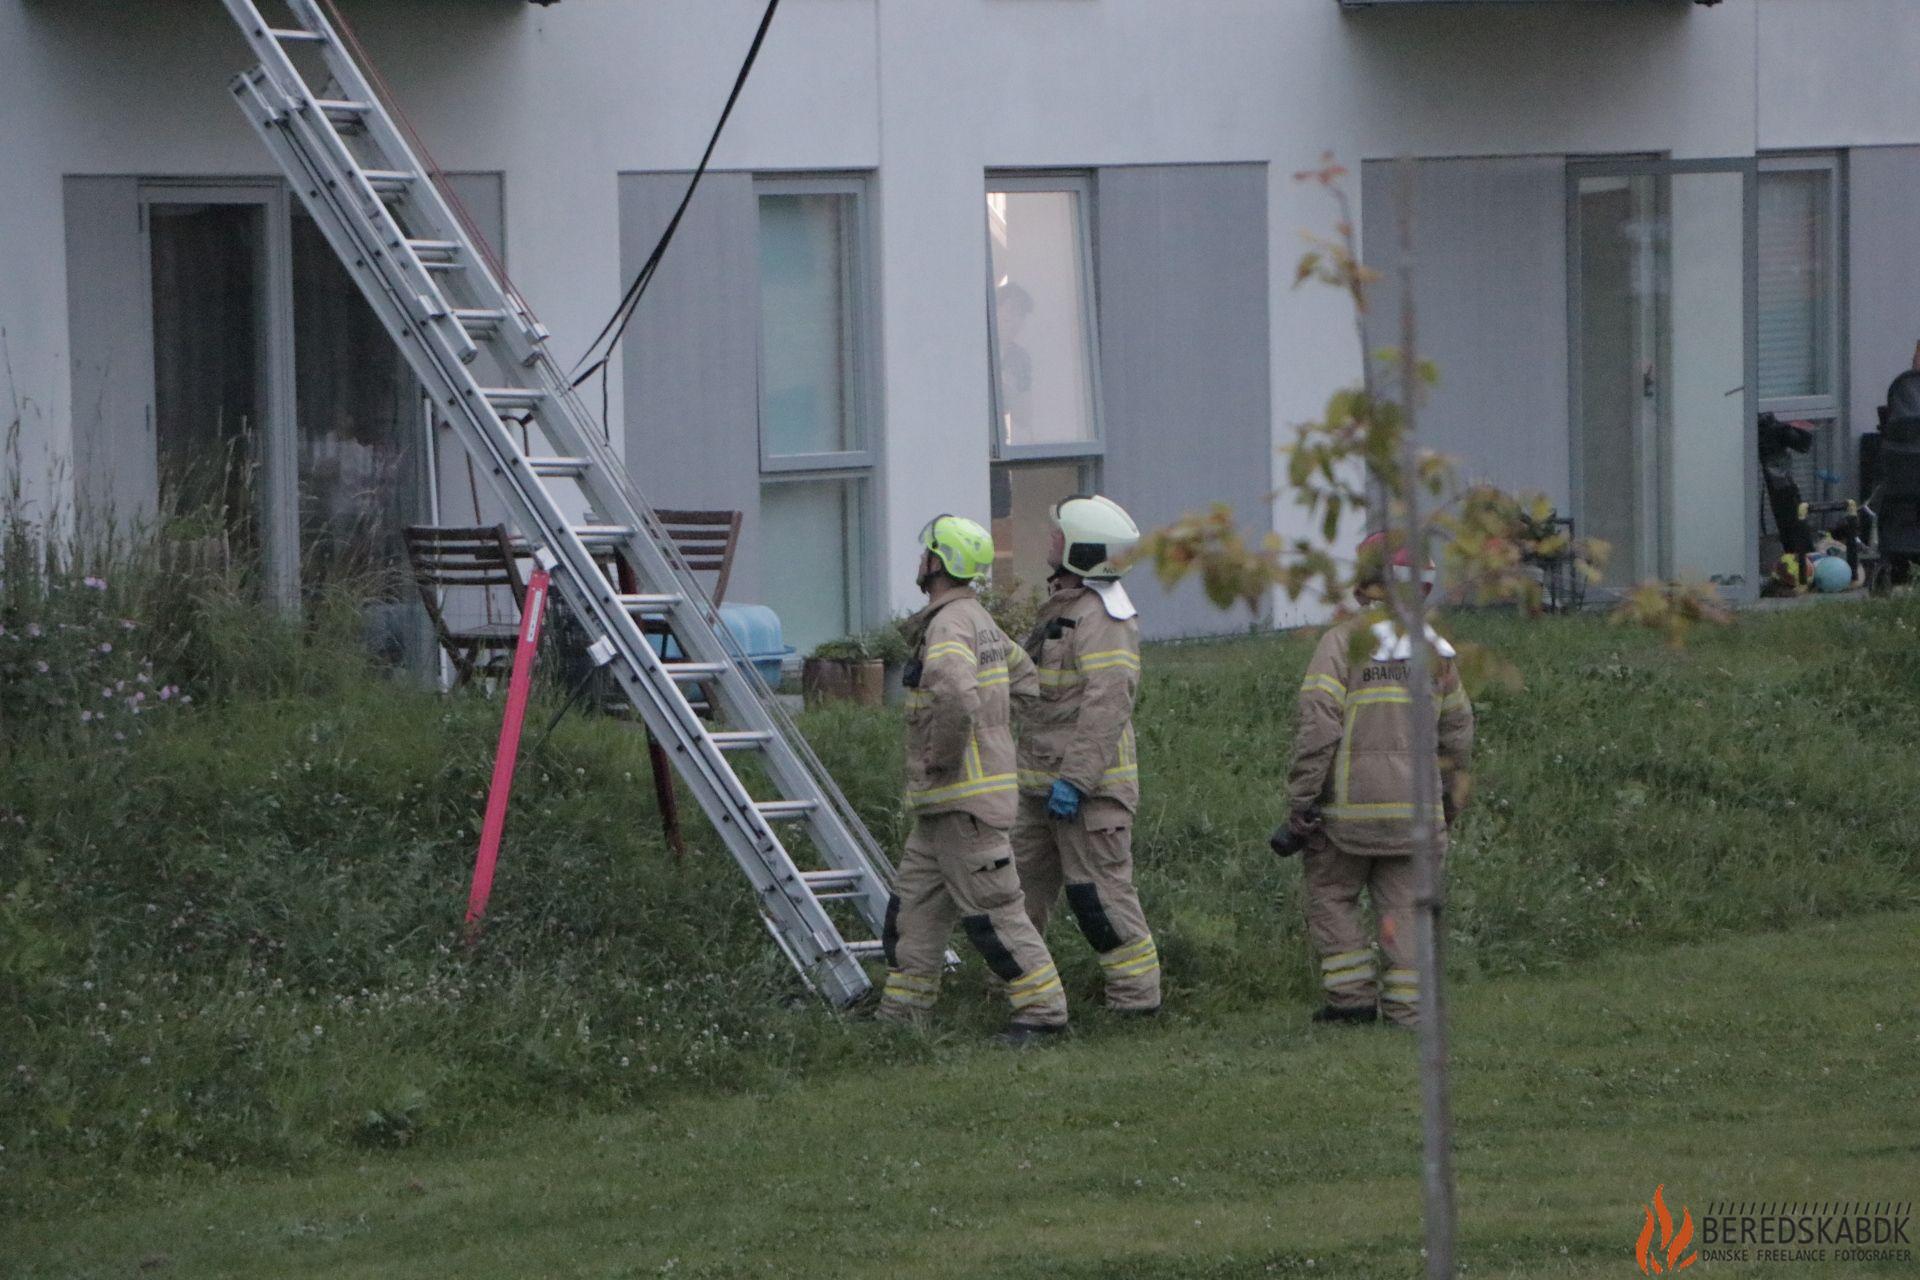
[[1081, 183], [858, 283], [1832, 405]]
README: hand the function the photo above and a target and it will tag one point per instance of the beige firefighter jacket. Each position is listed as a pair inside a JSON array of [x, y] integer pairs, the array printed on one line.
[[959, 723], [1353, 756], [1080, 728]]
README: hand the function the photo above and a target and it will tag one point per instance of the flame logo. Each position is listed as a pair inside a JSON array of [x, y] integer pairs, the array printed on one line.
[[1673, 1243]]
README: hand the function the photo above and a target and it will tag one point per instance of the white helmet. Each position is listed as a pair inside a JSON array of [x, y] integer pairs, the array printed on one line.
[[1097, 531]]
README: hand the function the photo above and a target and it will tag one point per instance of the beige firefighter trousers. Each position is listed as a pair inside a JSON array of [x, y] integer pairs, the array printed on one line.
[[1091, 857], [959, 870], [1341, 939]]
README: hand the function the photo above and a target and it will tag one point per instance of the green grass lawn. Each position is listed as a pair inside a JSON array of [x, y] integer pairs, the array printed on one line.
[[231, 976], [1773, 1067]]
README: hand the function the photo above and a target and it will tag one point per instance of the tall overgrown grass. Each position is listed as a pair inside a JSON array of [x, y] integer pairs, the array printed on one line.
[[233, 935]]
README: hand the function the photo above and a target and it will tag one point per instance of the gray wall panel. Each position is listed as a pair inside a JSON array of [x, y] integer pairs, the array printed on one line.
[[691, 359], [1183, 288], [1883, 264], [1490, 292], [111, 352]]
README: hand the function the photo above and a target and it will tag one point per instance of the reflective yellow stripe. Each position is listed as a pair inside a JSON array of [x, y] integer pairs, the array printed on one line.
[[1324, 684], [1110, 658], [1356, 977], [913, 990], [1035, 996], [949, 648], [1131, 951], [995, 674], [912, 981], [1377, 813], [973, 768], [1120, 773], [1056, 677], [1133, 959], [1454, 701], [1030, 986], [1344, 959], [964, 790], [918, 699], [1387, 694]]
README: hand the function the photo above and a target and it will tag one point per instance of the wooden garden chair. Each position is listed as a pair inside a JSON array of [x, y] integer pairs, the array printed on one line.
[[476, 563]]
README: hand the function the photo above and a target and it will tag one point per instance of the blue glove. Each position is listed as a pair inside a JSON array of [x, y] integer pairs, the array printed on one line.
[[1064, 800]]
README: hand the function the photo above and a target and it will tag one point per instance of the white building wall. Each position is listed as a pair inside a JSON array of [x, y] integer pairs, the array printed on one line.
[[930, 93]]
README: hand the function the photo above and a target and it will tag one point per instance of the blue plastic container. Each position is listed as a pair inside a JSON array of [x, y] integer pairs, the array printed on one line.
[[755, 628]]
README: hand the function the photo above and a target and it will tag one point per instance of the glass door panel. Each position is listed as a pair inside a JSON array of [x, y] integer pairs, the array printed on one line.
[[207, 265], [1663, 454], [1708, 457]]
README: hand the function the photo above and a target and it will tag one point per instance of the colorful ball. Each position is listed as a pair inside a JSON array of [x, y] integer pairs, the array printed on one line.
[[1830, 573]]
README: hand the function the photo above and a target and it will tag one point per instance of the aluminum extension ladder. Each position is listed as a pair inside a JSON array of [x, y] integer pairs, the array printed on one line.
[[483, 359]]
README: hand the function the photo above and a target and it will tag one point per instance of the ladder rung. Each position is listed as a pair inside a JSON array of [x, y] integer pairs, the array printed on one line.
[[649, 603], [436, 249], [603, 533], [740, 740], [559, 466], [389, 182], [479, 320], [786, 809], [342, 110], [696, 671], [867, 950], [296, 35], [524, 397], [835, 882]]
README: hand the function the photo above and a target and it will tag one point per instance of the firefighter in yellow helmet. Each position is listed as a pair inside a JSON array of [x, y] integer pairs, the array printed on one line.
[[958, 866], [1351, 799], [1079, 769]]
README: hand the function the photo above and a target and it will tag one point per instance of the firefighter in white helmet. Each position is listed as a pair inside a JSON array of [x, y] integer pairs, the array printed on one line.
[[1079, 767], [1350, 794], [958, 867]]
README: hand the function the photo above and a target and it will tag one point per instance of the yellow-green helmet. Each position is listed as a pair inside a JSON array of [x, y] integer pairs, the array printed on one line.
[[962, 546]]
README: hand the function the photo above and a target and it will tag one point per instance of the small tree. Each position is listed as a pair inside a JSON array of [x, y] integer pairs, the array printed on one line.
[[1363, 460]]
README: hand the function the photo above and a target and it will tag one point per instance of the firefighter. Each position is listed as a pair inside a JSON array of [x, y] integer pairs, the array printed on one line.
[[961, 787], [1079, 770], [1351, 800]]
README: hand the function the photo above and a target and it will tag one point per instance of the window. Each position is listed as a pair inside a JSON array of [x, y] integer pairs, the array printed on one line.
[[815, 405], [281, 407], [1044, 358], [1799, 304]]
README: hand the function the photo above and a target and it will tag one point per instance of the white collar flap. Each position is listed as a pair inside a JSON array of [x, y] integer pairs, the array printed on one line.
[[1114, 597], [1393, 645]]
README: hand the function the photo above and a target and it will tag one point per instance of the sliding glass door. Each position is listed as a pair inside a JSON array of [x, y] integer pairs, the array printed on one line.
[[1661, 304]]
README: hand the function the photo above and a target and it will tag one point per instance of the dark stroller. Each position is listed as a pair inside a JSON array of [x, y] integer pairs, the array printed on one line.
[[1890, 480]]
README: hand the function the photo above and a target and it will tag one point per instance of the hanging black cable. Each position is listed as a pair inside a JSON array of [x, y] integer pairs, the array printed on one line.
[[615, 327]]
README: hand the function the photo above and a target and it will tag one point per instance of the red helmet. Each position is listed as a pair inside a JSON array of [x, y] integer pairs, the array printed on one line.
[[1374, 564]]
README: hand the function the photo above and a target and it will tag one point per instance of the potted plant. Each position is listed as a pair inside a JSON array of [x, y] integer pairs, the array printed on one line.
[[844, 669]]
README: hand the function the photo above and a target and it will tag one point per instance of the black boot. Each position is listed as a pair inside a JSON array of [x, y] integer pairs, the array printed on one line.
[[1027, 1035], [1329, 1013]]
